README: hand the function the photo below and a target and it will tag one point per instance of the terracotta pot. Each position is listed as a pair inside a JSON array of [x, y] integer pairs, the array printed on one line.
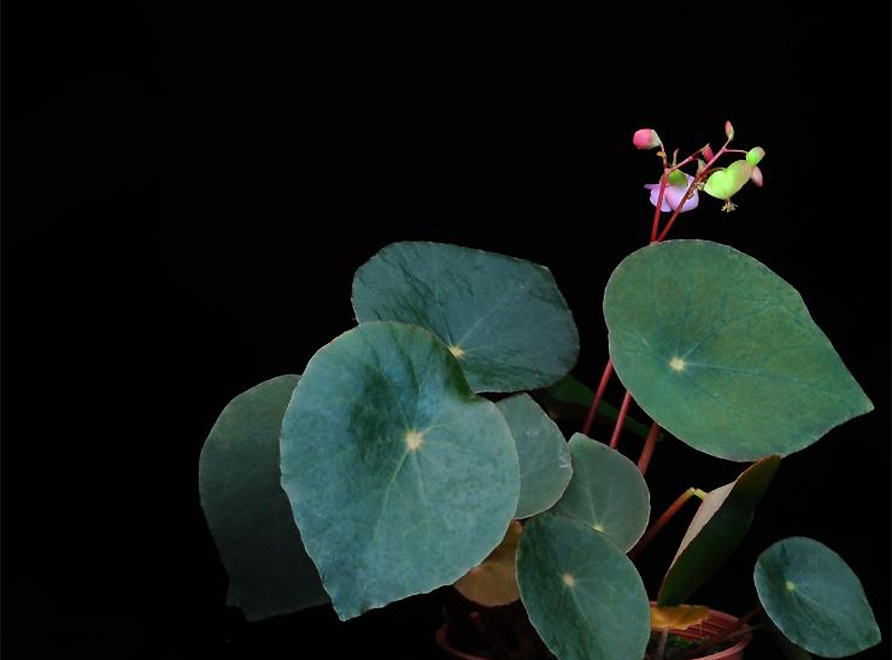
[[716, 623]]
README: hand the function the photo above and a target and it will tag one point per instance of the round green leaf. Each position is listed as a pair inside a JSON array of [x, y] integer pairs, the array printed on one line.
[[582, 594], [248, 512], [718, 527], [400, 477], [814, 598], [607, 492], [504, 318], [723, 353], [545, 468]]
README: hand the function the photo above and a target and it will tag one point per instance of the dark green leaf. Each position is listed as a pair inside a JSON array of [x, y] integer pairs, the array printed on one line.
[[607, 493], [722, 352], [504, 318], [583, 595], [815, 599], [247, 510]]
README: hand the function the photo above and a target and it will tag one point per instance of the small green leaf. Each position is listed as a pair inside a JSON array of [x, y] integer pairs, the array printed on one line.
[[247, 510], [754, 156], [545, 467], [678, 179], [724, 184], [582, 594], [401, 478], [503, 318], [815, 599], [723, 353], [607, 493], [719, 525]]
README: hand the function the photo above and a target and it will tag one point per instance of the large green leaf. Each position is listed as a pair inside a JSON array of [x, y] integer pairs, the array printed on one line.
[[247, 510], [583, 595], [504, 318], [718, 527], [570, 399], [545, 468], [814, 598], [607, 492], [400, 477], [722, 352]]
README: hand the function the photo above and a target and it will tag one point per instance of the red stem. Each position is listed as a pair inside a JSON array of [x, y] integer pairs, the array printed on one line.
[[697, 179], [620, 419], [664, 181], [649, 445], [596, 400], [728, 633], [662, 521]]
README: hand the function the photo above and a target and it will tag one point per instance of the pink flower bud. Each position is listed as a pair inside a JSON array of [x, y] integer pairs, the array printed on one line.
[[756, 177], [729, 130], [707, 152], [646, 138]]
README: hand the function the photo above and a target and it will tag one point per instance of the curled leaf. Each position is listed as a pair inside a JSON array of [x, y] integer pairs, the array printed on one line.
[[494, 582], [677, 617]]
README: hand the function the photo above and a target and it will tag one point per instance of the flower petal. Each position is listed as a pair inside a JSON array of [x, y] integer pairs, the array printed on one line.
[[673, 196], [655, 195]]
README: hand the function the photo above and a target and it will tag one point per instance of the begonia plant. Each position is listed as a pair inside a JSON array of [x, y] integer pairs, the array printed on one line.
[[419, 449]]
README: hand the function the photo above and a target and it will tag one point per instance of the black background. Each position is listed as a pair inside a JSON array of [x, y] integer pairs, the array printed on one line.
[[187, 193]]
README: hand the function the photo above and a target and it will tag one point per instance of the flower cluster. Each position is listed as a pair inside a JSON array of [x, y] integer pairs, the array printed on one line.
[[677, 191]]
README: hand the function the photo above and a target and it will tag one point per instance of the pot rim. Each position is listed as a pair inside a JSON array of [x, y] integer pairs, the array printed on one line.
[[742, 643]]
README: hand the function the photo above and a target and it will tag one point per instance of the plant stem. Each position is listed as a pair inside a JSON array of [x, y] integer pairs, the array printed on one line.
[[620, 419], [650, 444], [655, 225], [697, 179], [664, 519], [596, 400], [661, 649], [733, 630]]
